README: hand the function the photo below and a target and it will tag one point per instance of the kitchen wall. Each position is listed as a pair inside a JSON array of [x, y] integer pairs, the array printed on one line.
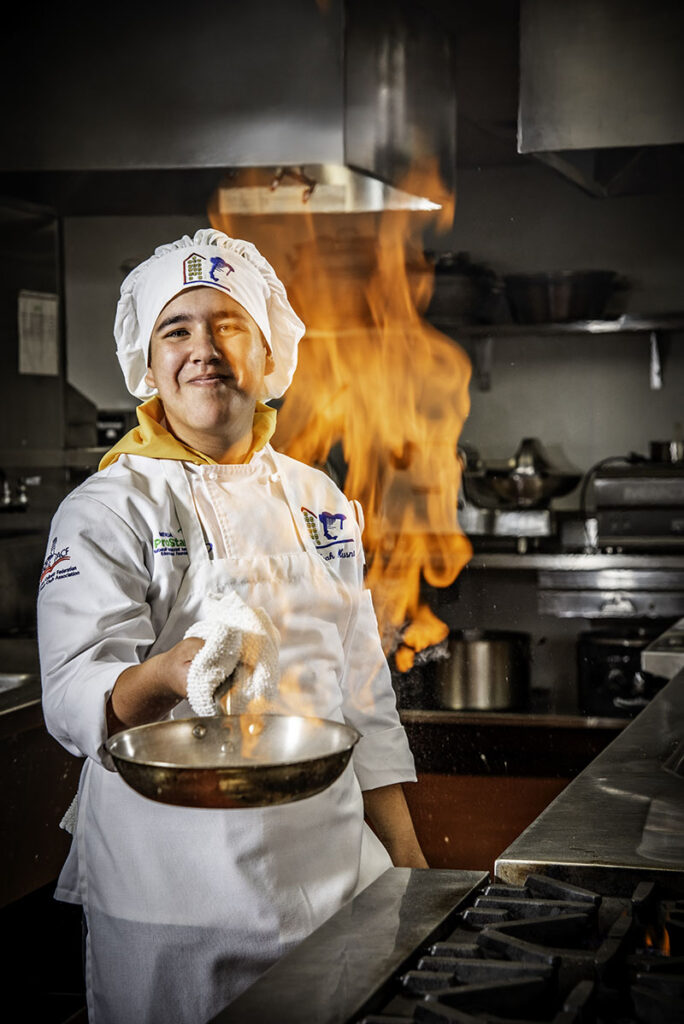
[[32, 380]]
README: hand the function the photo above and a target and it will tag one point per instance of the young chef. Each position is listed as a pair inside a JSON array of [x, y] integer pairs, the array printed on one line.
[[185, 907]]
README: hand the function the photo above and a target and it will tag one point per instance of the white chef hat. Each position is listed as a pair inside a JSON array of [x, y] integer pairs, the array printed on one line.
[[213, 260]]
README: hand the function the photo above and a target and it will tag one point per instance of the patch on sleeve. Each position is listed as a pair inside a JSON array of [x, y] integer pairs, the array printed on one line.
[[58, 565]]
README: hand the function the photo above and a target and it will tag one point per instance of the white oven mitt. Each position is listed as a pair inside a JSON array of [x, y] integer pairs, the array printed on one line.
[[238, 640]]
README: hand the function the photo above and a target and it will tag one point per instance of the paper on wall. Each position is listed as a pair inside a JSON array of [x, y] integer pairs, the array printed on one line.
[[38, 333]]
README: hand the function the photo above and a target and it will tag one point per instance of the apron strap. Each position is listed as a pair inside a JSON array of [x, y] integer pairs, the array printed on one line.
[[188, 517]]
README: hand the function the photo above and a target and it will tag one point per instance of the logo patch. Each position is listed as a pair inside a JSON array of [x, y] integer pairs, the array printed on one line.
[[56, 566], [207, 270], [325, 530], [168, 545]]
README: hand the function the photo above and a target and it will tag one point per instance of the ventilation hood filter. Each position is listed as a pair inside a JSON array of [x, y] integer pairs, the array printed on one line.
[[315, 188]]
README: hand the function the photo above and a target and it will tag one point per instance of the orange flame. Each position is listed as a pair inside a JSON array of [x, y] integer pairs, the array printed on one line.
[[657, 939], [376, 380]]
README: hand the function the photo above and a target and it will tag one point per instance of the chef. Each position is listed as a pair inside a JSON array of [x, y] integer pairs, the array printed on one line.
[[185, 907]]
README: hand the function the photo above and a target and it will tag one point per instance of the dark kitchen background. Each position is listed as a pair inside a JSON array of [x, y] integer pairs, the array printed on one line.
[[558, 130]]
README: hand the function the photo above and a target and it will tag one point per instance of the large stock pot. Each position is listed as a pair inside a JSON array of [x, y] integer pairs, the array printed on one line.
[[485, 671]]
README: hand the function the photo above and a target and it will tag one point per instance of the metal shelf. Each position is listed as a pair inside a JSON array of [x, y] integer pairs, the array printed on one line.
[[576, 562], [619, 325], [484, 335]]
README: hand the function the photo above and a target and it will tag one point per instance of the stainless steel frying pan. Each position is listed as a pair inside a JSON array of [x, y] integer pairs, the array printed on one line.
[[233, 760]]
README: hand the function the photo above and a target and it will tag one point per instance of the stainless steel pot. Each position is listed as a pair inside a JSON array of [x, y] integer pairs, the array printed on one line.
[[485, 671], [233, 760]]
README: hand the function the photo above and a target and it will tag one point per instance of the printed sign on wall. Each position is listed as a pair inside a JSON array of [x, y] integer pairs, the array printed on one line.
[[38, 333]]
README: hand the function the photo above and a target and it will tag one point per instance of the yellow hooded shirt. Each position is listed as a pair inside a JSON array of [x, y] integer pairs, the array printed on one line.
[[152, 439]]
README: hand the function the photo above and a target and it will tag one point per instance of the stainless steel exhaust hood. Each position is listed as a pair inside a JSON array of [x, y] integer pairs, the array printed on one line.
[[601, 86], [342, 96]]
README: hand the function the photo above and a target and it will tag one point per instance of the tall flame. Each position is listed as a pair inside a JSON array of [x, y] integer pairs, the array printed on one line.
[[381, 384]]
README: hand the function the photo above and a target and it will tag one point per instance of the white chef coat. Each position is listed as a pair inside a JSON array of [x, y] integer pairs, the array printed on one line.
[[187, 906]]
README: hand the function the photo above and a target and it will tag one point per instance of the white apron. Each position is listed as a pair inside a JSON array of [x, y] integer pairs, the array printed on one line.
[[186, 907]]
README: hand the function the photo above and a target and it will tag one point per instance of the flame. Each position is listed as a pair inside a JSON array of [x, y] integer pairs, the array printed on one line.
[[381, 384], [657, 939]]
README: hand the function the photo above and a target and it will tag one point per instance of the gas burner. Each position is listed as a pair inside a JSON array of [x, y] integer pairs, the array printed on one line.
[[550, 953]]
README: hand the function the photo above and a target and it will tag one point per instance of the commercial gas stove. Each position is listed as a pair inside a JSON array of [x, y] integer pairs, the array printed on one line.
[[447, 947]]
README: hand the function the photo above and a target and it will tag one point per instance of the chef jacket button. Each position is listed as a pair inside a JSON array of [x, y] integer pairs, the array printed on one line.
[[274, 477]]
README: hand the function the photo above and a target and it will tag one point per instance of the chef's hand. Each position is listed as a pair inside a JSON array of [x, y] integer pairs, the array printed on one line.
[[146, 692], [388, 813]]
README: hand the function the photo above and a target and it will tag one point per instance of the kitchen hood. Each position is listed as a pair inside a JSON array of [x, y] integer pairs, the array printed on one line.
[[601, 83], [315, 188], [329, 104]]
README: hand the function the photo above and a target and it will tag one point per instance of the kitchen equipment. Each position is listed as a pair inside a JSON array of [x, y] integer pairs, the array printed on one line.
[[667, 451], [485, 671], [611, 681], [465, 292], [639, 502], [526, 481], [525, 526], [449, 946], [664, 656], [112, 424], [233, 760], [560, 296]]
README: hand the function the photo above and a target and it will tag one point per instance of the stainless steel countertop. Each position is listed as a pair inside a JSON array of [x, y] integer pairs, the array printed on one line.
[[622, 818], [347, 967], [535, 719], [665, 656]]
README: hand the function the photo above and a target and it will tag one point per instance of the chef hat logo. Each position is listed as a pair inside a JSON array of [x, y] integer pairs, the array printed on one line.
[[197, 269]]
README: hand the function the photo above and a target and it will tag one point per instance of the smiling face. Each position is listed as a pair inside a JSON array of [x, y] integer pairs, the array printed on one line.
[[207, 361]]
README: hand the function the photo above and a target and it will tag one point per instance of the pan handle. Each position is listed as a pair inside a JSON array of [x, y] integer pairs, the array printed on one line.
[[222, 695]]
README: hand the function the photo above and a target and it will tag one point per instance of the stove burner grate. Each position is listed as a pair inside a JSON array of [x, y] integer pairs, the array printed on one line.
[[549, 953]]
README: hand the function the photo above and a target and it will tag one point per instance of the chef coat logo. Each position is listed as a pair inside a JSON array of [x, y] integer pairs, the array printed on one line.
[[166, 544], [332, 524], [56, 567], [206, 270]]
